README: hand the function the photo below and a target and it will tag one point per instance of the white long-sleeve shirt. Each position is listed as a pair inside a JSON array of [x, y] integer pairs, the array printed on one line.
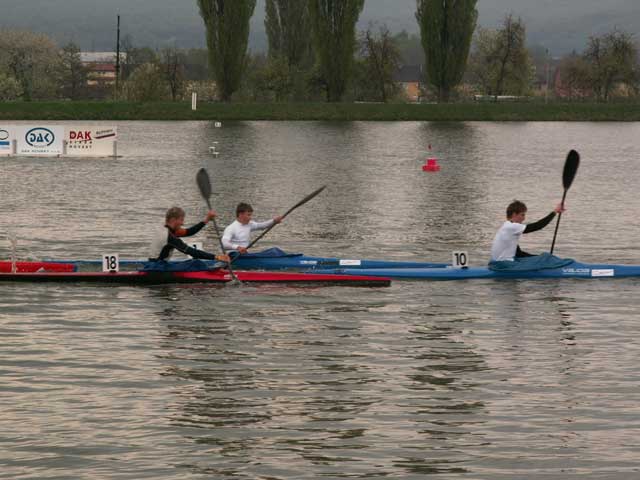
[[238, 235], [506, 241]]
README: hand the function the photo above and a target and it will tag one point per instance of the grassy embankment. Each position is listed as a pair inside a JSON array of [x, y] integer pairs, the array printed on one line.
[[530, 111]]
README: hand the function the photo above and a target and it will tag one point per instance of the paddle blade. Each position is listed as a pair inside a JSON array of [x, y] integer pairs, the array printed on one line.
[[305, 199], [570, 168], [204, 184]]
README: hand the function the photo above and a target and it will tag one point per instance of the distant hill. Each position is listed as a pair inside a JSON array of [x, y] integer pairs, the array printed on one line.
[[560, 25]]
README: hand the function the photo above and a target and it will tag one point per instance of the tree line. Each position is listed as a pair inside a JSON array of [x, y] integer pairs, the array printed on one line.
[[315, 53]]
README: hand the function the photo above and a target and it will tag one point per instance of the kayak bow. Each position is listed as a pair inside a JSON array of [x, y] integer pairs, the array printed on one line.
[[25, 266]]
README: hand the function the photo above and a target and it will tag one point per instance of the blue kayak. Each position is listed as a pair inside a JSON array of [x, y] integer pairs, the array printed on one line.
[[571, 270], [277, 259]]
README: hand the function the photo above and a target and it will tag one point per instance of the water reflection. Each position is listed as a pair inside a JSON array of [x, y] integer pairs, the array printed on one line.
[[479, 379], [329, 386], [319, 385]]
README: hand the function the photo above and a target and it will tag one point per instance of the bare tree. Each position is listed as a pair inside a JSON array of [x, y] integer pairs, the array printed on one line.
[[500, 62], [72, 73], [574, 76], [382, 59], [173, 65], [512, 55], [613, 59]]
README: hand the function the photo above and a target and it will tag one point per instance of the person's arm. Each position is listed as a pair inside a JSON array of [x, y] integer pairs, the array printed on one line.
[[261, 225], [192, 230], [540, 224], [179, 245]]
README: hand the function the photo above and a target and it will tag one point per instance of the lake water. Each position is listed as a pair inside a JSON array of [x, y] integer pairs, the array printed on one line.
[[463, 380]]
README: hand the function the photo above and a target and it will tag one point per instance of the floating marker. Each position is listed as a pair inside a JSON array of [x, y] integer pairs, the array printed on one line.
[[431, 163]]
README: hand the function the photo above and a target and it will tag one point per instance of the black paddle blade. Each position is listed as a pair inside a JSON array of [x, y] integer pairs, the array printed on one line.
[[570, 168], [305, 199], [204, 184]]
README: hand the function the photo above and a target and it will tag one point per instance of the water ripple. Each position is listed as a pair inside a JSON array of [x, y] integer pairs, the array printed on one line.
[[475, 380]]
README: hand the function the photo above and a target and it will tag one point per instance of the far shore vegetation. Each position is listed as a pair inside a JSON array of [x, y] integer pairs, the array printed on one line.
[[321, 111], [320, 67]]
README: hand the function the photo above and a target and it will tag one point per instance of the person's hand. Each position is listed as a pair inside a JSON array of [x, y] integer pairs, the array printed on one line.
[[278, 219], [223, 258], [559, 208], [210, 214], [242, 249]]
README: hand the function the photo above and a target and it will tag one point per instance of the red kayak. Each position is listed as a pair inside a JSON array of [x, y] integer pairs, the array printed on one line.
[[6, 266], [209, 276]]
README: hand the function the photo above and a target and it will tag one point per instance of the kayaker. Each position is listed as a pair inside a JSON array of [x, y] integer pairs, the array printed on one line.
[[168, 238], [237, 235], [505, 244]]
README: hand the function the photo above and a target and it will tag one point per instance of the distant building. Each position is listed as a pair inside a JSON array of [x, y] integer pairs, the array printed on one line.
[[410, 78], [100, 57], [101, 67]]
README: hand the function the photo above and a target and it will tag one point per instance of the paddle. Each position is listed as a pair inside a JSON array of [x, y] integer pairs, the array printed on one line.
[[301, 202], [568, 174], [204, 184]]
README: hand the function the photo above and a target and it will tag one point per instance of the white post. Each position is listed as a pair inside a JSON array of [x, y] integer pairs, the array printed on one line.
[[194, 100], [115, 148]]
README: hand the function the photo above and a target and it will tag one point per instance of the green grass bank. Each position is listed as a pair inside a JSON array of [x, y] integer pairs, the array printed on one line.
[[525, 111]]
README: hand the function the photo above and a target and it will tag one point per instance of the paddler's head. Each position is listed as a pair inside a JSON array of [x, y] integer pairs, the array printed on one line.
[[244, 212], [516, 211], [174, 218]]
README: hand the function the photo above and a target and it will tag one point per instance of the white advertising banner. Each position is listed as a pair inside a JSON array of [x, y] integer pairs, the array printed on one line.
[[90, 141], [39, 140], [7, 136]]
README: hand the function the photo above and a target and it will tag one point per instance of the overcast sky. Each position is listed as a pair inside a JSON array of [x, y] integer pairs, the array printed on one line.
[[560, 25]]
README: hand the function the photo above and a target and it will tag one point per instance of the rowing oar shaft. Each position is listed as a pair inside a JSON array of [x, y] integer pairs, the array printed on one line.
[[204, 184], [555, 233], [301, 202]]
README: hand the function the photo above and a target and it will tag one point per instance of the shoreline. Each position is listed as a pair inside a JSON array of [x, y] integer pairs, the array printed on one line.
[[628, 111]]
